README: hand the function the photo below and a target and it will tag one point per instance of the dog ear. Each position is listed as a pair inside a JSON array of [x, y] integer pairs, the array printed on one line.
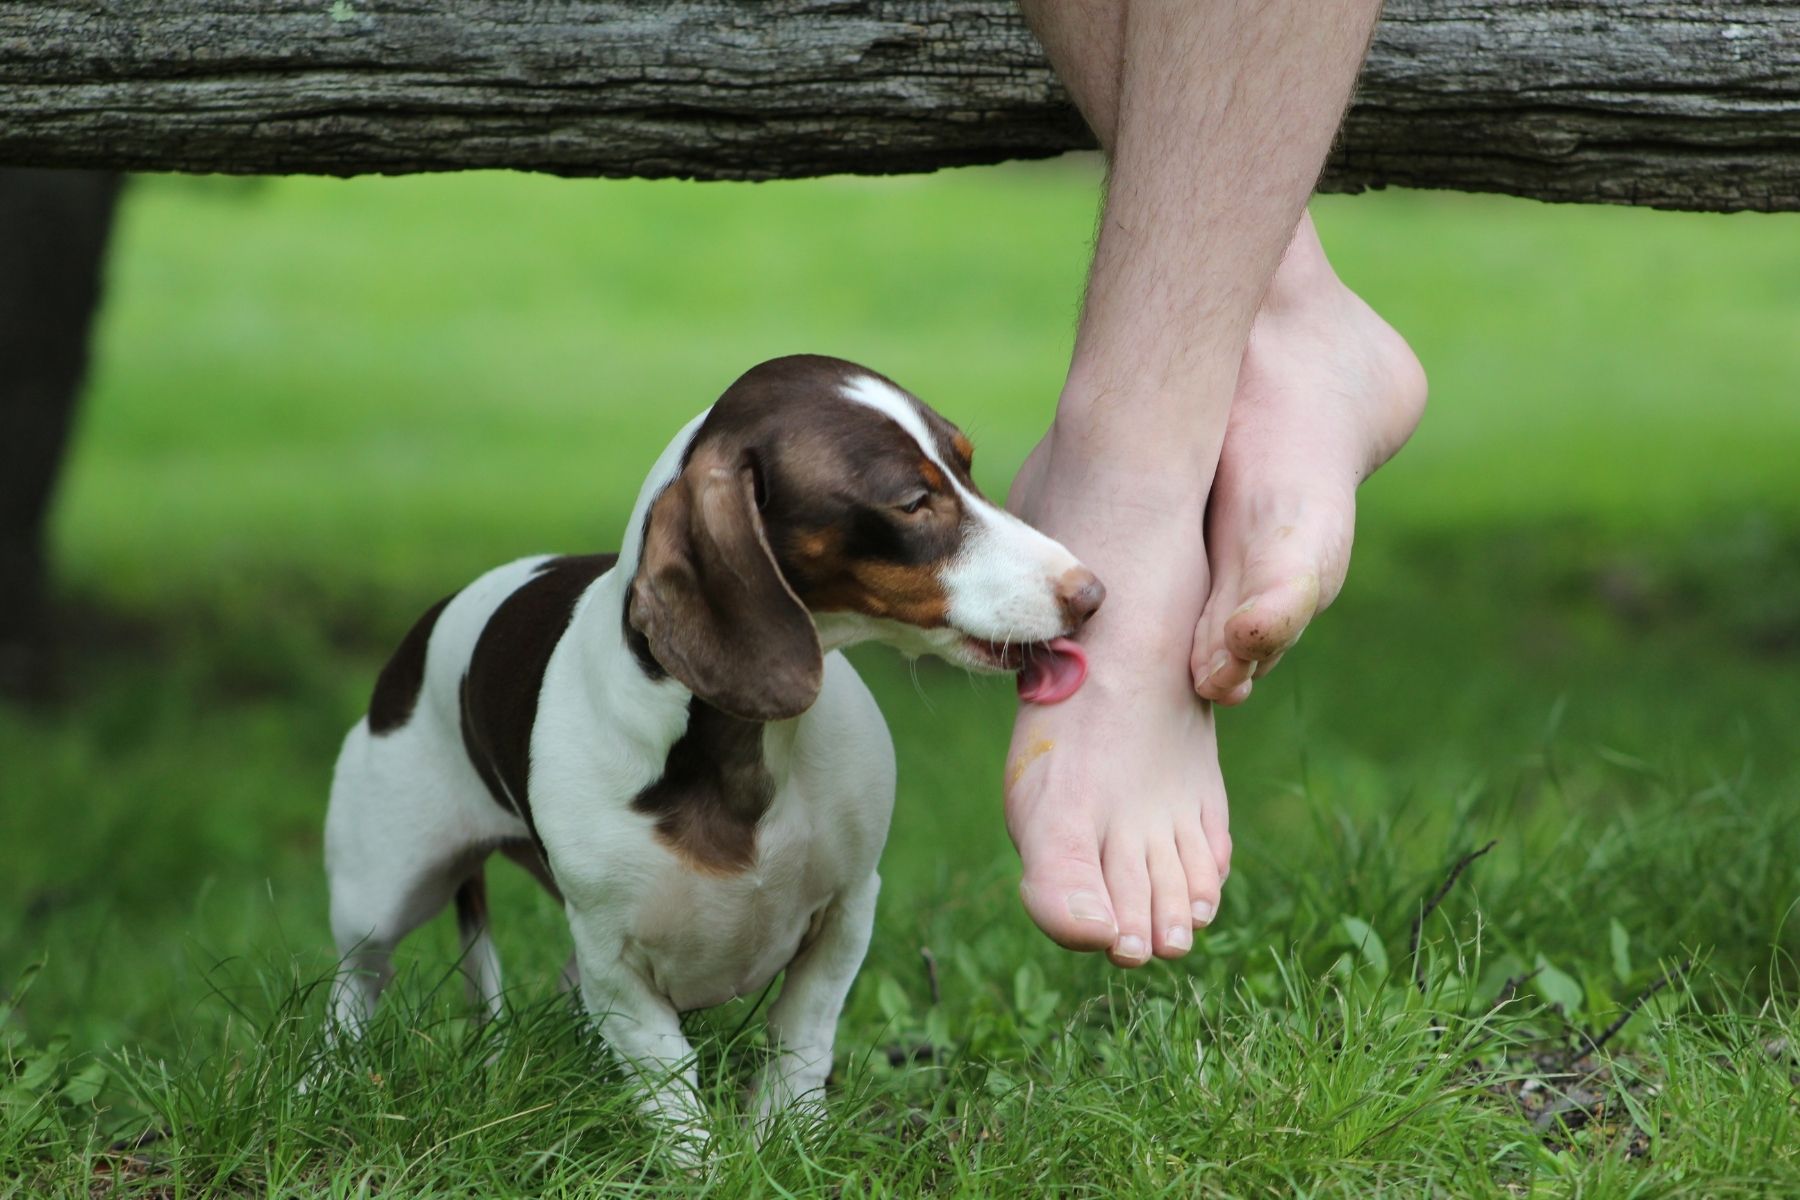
[[711, 602]]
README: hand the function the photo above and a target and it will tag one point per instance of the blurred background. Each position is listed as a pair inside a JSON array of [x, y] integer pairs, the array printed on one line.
[[316, 406]]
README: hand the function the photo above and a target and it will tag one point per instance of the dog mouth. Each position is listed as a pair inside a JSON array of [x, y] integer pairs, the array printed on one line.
[[1049, 672]]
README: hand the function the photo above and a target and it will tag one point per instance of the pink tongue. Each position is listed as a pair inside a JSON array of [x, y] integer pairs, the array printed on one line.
[[1052, 673]]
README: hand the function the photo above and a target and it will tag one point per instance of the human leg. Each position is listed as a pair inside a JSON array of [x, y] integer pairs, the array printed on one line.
[[1225, 110], [1327, 392]]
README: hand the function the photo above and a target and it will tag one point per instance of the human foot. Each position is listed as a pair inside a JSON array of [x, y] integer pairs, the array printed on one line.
[[1326, 393], [1113, 796]]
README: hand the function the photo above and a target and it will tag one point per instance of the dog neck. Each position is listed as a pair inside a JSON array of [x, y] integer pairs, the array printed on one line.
[[647, 706], [712, 776], [633, 695]]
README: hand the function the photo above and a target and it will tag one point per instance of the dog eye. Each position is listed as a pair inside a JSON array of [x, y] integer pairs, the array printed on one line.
[[915, 504]]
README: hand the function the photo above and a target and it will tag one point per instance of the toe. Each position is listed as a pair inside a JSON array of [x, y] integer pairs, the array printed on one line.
[[1128, 883], [1272, 619], [1221, 674], [1170, 904], [1215, 825], [1065, 892], [1204, 880]]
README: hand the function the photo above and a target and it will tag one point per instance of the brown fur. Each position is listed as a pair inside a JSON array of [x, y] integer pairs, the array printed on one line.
[[713, 791], [397, 687], [499, 693]]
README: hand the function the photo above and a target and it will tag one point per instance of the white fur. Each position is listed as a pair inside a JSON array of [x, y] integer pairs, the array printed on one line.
[[654, 937]]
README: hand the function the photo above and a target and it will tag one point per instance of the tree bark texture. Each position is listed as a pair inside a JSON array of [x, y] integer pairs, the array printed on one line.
[[53, 234], [1670, 103]]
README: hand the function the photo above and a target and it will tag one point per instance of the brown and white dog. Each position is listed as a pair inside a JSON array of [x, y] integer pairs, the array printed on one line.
[[669, 739]]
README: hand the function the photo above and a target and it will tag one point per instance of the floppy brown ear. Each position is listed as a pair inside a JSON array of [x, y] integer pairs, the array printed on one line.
[[712, 604]]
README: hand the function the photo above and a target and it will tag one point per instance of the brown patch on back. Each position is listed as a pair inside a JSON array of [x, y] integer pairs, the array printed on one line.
[[397, 687], [714, 790], [499, 692]]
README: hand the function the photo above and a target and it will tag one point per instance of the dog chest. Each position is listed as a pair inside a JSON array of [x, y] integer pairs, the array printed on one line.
[[704, 939]]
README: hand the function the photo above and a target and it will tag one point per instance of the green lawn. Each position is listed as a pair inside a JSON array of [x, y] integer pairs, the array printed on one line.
[[1573, 626]]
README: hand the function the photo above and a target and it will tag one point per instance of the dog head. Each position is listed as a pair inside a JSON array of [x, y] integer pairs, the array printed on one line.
[[818, 504]]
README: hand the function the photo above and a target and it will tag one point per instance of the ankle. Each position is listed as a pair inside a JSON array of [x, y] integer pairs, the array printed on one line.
[[1117, 422], [1304, 279]]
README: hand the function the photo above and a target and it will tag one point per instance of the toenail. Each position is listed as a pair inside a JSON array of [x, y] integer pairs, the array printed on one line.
[[1131, 948], [1204, 912], [1216, 665], [1179, 937], [1245, 607], [1085, 906]]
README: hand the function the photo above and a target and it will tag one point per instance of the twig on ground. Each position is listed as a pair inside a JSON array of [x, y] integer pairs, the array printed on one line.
[[1437, 898], [1511, 987], [931, 973], [1595, 1041]]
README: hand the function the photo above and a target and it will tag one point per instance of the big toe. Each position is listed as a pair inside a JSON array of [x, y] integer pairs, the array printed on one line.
[[1273, 616], [1286, 579], [1065, 892]]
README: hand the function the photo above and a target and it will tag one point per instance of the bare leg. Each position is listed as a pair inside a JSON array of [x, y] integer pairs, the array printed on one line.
[[1225, 112], [1327, 393]]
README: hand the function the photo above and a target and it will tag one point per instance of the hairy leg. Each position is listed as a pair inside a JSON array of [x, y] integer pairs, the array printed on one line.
[[1327, 392], [1224, 114]]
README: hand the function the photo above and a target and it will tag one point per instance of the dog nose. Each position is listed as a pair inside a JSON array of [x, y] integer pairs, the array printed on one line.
[[1079, 592]]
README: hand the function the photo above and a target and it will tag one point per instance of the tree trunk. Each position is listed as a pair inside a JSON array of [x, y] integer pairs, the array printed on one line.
[[53, 230], [1672, 103]]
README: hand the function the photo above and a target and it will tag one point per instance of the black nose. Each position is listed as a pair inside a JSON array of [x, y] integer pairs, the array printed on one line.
[[1080, 592]]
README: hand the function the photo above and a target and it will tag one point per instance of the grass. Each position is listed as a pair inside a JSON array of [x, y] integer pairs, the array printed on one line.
[[1573, 626]]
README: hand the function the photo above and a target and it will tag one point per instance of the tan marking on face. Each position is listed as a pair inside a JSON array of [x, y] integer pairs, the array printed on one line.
[[816, 546], [934, 478], [913, 595], [910, 595], [965, 449], [1039, 747]]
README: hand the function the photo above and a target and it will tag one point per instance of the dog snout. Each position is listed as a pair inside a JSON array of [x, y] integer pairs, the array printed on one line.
[[1080, 592]]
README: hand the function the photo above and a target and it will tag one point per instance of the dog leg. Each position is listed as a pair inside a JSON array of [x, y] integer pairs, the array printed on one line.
[[480, 960], [643, 1029], [371, 912], [803, 1020], [361, 978]]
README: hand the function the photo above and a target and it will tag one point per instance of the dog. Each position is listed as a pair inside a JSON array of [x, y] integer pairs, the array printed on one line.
[[669, 738]]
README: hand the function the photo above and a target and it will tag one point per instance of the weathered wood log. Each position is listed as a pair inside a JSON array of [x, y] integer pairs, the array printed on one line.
[[1671, 103]]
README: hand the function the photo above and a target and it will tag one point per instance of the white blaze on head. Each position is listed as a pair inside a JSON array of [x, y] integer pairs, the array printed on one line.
[[1002, 582]]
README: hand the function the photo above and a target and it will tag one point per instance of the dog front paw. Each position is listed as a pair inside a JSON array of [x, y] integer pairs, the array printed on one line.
[[790, 1089]]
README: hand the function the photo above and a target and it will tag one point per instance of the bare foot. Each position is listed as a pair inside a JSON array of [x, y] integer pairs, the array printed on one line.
[[1113, 797], [1327, 393]]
